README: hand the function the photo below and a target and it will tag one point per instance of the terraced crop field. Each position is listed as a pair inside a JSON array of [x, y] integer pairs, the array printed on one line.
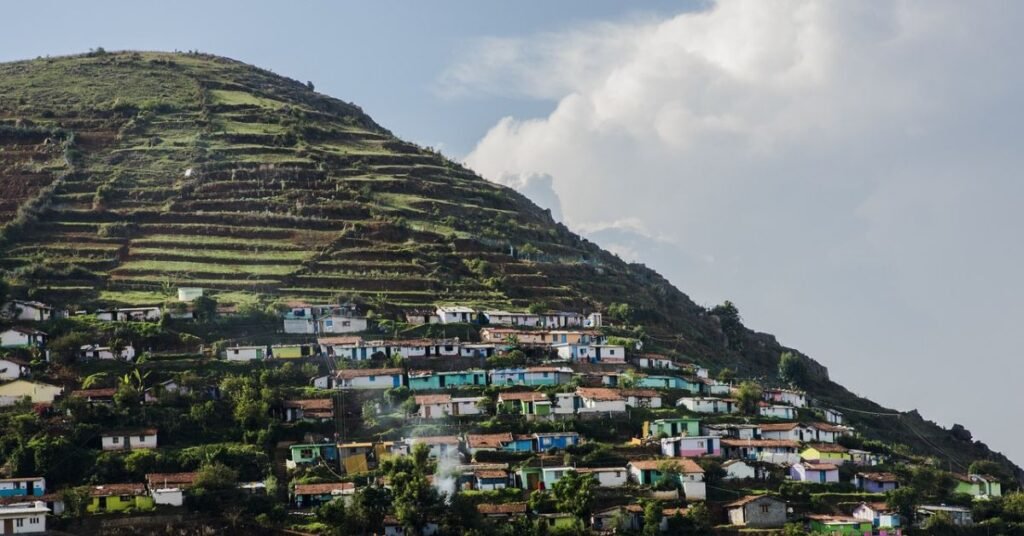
[[181, 169]]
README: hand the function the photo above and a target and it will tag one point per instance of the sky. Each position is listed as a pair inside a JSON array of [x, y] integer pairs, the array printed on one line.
[[845, 172]]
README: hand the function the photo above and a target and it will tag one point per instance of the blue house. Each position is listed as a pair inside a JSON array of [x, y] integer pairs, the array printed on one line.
[[425, 379], [520, 443], [555, 440], [669, 382], [33, 486]]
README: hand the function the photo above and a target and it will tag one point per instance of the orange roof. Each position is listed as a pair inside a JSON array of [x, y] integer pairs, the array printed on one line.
[[310, 404], [324, 489], [95, 393], [828, 447], [107, 490], [342, 340], [780, 427], [642, 393], [433, 399], [505, 508], [750, 498], [484, 441], [348, 374], [156, 480], [685, 465], [599, 393], [815, 466], [880, 477], [491, 474], [529, 396]]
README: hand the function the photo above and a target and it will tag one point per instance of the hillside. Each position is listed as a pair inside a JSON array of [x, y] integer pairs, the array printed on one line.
[[128, 174]]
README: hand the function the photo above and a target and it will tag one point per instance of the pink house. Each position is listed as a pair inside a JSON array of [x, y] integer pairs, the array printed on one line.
[[691, 446], [821, 473]]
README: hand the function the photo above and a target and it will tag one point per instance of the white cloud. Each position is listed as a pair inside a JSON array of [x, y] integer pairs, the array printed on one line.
[[850, 167]]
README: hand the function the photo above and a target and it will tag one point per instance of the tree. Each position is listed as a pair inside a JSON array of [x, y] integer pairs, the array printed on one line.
[[748, 395], [620, 312], [670, 476], [204, 308], [700, 518], [939, 523], [1013, 505], [537, 308], [792, 369], [332, 514], [732, 324], [216, 476], [416, 501], [574, 494], [652, 519], [903, 500], [726, 375]]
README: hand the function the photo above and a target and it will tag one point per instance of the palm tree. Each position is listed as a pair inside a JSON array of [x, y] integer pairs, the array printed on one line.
[[93, 379]]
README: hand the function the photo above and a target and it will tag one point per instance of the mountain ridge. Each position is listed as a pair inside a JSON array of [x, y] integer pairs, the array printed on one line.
[[134, 171]]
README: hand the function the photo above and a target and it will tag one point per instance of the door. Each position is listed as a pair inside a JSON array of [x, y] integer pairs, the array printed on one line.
[[441, 380], [426, 411], [533, 481], [8, 526], [103, 503]]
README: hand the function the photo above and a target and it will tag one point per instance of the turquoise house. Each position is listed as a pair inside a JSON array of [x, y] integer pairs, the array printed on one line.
[[304, 453], [532, 376], [520, 443], [421, 380], [672, 427], [34, 486], [669, 382]]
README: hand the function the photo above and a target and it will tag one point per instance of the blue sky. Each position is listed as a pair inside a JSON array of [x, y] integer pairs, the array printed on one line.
[[846, 172]]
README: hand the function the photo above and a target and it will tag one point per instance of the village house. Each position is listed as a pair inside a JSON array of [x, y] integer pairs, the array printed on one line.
[[152, 394], [562, 319], [691, 446], [341, 324], [757, 511], [555, 440], [455, 314], [655, 361], [531, 376], [978, 486], [308, 453], [109, 498], [691, 475], [369, 378], [960, 515], [879, 514], [479, 350], [668, 382], [316, 409], [825, 452], [776, 411], [804, 433], [487, 442], [442, 406], [740, 470], [785, 396], [591, 353], [169, 488], [428, 379], [626, 518], [600, 400], [421, 316], [699, 404], [130, 314], [734, 430], [440, 446], [99, 395], [876, 482], [19, 337], [607, 477], [714, 387], [145, 438], [502, 511], [95, 351], [490, 479], [33, 486], [245, 353], [509, 335], [409, 349], [669, 515], [532, 404], [833, 524], [551, 475], [814, 472], [313, 495], [28, 311], [561, 336], [298, 318], [28, 517], [505, 318], [679, 426], [641, 398], [774, 451], [36, 392], [292, 351], [12, 368], [832, 416]]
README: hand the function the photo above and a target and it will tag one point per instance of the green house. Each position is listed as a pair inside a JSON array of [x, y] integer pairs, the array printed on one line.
[[118, 498], [978, 486], [525, 403], [672, 427]]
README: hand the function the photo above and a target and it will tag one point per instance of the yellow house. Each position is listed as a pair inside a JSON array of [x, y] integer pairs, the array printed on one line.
[[13, 392], [291, 351], [118, 498], [826, 452]]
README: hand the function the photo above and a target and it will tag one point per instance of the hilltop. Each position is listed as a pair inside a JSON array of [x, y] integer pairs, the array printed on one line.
[[126, 175]]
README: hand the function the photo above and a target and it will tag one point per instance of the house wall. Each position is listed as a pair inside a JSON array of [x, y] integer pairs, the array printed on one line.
[[129, 442], [612, 478], [299, 325], [14, 339], [243, 354], [694, 490], [739, 471], [342, 324], [24, 523], [117, 503], [372, 382], [20, 488], [755, 515], [169, 497], [9, 370]]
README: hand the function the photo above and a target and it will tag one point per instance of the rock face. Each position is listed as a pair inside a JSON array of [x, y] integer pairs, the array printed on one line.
[[132, 172]]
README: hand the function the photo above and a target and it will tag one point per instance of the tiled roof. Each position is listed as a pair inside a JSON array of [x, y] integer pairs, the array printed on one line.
[[324, 488], [529, 396], [780, 427], [815, 466], [599, 393], [491, 474], [310, 404], [107, 490], [504, 508], [686, 465], [130, 432], [749, 499], [347, 340], [483, 441], [880, 477], [156, 480], [433, 399], [827, 447], [640, 393]]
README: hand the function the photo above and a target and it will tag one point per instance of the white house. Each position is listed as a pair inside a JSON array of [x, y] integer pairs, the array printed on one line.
[[791, 431], [607, 477], [505, 318], [95, 351], [600, 400], [31, 311], [152, 394], [440, 446], [12, 368], [18, 337], [878, 513], [691, 446], [593, 320], [130, 314], [593, 353], [38, 393], [342, 324], [565, 404], [369, 378], [777, 411], [187, 294], [699, 404], [451, 314], [715, 387], [129, 439], [738, 470], [22, 487], [833, 417], [168, 496], [441, 406], [27, 517], [641, 398], [245, 353], [786, 396], [692, 477], [656, 361], [418, 317], [562, 319]]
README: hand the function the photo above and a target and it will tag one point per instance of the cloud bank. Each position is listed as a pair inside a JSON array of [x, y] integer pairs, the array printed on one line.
[[847, 172]]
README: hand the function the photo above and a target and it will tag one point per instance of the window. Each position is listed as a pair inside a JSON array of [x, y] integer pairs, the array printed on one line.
[[764, 508], [116, 440], [306, 453], [142, 438], [700, 444], [19, 522], [33, 521], [126, 498]]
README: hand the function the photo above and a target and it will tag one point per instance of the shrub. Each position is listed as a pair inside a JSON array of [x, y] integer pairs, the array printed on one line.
[[116, 229]]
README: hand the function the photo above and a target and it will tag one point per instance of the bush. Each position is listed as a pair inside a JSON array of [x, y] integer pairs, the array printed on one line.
[[116, 229]]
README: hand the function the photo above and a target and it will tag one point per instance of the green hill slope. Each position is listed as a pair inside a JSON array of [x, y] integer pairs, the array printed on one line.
[[125, 174]]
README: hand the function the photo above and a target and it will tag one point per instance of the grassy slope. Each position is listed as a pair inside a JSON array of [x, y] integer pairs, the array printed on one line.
[[299, 195]]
